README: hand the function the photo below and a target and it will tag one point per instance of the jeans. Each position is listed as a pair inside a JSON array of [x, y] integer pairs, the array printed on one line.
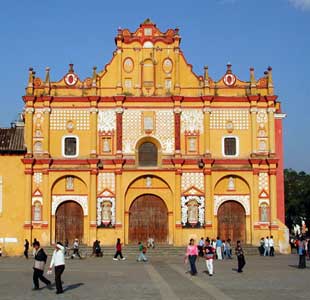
[[192, 262], [38, 274], [267, 251], [241, 263], [142, 257], [219, 253]]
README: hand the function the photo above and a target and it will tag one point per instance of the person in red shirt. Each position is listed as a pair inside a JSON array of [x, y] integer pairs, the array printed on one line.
[[118, 250]]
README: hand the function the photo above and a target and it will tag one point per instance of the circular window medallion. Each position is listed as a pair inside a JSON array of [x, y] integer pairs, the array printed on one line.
[[128, 65], [71, 79], [167, 65], [229, 126], [70, 126], [229, 79]]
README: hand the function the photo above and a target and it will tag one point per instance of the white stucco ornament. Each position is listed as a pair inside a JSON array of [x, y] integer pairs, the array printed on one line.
[[201, 208]]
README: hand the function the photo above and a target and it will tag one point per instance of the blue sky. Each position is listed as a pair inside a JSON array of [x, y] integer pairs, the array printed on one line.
[[246, 33]]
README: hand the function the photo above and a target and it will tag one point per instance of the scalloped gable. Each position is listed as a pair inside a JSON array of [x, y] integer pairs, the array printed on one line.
[[193, 191], [106, 193]]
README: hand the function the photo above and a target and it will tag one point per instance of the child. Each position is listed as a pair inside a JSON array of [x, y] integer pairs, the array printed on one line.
[[118, 250], [142, 251]]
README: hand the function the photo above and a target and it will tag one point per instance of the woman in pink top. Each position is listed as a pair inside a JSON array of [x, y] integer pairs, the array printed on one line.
[[192, 253]]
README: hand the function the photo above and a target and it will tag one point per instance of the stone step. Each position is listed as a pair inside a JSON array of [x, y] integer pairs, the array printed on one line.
[[132, 250]]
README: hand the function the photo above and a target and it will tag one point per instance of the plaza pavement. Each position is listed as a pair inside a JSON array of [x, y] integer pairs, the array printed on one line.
[[264, 278]]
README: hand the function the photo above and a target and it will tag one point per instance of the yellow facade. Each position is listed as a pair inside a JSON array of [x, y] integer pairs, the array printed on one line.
[[147, 95]]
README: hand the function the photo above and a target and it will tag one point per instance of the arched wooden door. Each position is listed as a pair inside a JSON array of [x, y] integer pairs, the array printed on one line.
[[148, 218], [231, 221], [69, 222]]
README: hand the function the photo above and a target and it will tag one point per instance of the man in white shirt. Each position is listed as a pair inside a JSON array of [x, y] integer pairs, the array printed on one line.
[[271, 246], [266, 246], [58, 261]]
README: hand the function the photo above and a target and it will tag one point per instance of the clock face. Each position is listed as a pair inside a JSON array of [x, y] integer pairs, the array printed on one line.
[[128, 65], [229, 79], [71, 79]]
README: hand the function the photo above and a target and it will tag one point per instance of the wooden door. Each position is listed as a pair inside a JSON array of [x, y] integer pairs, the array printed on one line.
[[231, 221], [69, 222], [148, 218]]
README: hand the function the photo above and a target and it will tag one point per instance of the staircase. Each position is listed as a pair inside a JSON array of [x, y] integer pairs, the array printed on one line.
[[132, 250]]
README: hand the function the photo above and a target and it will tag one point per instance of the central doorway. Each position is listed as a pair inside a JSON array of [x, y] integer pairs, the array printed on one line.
[[148, 218], [231, 221], [69, 222]]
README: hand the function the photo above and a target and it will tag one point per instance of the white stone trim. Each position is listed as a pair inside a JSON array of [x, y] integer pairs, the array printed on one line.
[[37, 199], [99, 201], [244, 200], [82, 200], [279, 116], [263, 201], [201, 209]]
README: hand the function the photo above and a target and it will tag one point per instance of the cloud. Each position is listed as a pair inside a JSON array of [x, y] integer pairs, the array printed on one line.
[[301, 4]]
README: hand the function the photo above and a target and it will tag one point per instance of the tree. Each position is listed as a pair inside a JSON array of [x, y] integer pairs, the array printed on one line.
[[297, 197]]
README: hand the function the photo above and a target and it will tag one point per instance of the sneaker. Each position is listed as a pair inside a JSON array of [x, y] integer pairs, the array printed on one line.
[[124, 258], [115, 258]]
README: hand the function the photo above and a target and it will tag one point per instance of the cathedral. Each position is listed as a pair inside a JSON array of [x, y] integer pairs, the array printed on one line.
[[144, 148]]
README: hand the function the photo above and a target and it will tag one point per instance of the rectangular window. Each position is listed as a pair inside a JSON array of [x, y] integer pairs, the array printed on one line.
[[70, 146], [230, 146]]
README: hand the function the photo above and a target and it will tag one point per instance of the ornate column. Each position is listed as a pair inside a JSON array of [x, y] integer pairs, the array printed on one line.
[[209, 203], [29, 130], [119, 131], [177, 130], [177, 71], [46, 130], [119, 201], [207, 131], [93, 131], [273, 198], [253, 112], [28, 198], [46, 219], [271, 127], [93, 204], [177, 207], [119, 86]]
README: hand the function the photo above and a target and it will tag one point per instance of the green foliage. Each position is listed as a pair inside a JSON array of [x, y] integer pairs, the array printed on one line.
[[297, 197]]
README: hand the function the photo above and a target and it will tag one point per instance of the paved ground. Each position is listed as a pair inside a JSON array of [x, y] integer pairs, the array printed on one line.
[[264, 278]]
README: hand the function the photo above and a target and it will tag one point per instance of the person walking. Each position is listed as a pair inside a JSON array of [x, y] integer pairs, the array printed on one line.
[[302, 253], [209, 255], [266, 246], [142, 251], [40, 258], [58, 262], [228, 249], [76, 247], [201, 245], [118, 250], [192, 253], [26, 248], [218, 245], [271, 246], [240, 256]]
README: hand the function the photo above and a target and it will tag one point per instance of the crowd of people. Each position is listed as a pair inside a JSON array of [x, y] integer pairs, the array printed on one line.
[[211, 249], [266, 247]]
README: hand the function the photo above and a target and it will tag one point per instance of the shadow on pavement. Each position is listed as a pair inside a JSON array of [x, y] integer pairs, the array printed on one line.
[[72, 286]]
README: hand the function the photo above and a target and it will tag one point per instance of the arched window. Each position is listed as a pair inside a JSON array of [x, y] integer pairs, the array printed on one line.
[[148, 155], [264, 212]]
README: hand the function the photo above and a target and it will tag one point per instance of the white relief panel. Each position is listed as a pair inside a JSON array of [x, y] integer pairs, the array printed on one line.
[[192, 179], [99, 209], [60, 118], [192, 120], [262, 116], [131, 130], [107, 120], [165, 130], [106, 181], [201, 208], [82, 200], [263, 182], [37, 178], [243, 200], [239, 118]]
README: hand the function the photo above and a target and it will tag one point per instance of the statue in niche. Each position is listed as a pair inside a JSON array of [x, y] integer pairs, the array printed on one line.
[[264, 213], [106, 145], [106, 213], [231, 184], [69, 183], [37, 211], [192, 212], [148, 182]]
